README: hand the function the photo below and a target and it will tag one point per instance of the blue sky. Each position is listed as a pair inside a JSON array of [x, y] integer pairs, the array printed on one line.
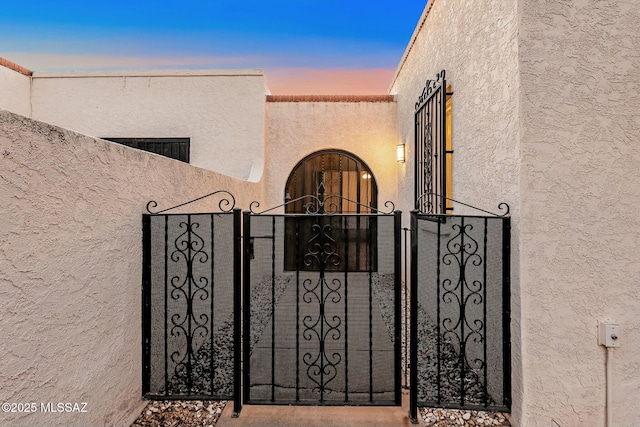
[[320, 40]]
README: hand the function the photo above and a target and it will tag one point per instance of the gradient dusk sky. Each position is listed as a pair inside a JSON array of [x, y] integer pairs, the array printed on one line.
[[304, 46]]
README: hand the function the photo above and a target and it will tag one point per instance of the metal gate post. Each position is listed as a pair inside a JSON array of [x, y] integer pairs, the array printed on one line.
[[146, 304], [237, 313], [397, 233], [246, 291], [413, 322], [506, 311]]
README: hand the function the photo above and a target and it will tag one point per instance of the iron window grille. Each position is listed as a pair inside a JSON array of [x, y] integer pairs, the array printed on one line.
[[174, 148], [343, 184], [433, 147]]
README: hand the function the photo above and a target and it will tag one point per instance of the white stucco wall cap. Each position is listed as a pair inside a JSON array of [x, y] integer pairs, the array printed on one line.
[[412, 41], [150, 73]]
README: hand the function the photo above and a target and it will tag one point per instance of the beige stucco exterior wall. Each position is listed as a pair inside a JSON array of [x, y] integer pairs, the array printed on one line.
[[222, 111], [580, 228], [297, 129], [71, 257], [476, 44], [15, 91]]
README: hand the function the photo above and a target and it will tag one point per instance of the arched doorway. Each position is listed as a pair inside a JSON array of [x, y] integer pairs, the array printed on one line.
[[338, 177], [333, 182]]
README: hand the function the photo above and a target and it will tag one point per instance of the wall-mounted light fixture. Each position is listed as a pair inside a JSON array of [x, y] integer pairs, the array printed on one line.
[[400, 153]]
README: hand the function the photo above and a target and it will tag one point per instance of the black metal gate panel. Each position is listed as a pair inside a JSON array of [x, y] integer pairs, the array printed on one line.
[[460, 312], [191, 300], [326, 331]]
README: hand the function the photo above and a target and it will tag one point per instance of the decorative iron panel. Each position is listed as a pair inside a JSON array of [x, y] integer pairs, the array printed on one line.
[[460, 312], [430, 147], [321, 333], [191, 298]]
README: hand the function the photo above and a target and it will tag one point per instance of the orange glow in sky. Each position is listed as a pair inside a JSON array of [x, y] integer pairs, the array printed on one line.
[[333, 81], [305, 47]]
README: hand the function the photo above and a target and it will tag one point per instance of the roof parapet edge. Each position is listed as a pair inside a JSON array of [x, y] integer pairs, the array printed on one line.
[[15, 67], [151, 73], [412, 41], [330, 98]]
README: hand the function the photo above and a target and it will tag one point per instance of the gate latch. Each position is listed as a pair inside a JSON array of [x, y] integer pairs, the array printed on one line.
[[250, 248]]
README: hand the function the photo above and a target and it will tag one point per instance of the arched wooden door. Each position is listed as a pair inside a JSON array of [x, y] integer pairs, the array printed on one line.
[[335, 182]]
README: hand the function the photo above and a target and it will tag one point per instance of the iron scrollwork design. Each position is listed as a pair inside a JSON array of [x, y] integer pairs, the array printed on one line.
[[321, 252], [429, 87], [327, 205], [426, 164], [226, 203], [187, 325], [502, 206], [461, 329]]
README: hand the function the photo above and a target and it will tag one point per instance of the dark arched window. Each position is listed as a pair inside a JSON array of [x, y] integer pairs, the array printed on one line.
[[334, 182], [342, 179]]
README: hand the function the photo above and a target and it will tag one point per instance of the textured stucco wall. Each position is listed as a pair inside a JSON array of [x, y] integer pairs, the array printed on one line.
[[475, 42], [15, 92], [297, 129], [70, 257], [221, 111], [580, 104]]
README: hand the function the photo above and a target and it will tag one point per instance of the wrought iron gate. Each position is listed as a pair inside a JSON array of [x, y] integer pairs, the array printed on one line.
[[460, 312], [328, 330], [191, 305]]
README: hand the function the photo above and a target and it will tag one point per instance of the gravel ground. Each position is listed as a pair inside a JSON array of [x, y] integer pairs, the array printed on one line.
[[179, 413], [384, 293], [455, 417], [261, 304], [198, 413]]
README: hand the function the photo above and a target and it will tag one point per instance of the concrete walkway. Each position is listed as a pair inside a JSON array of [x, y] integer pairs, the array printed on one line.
[[318, 416]]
